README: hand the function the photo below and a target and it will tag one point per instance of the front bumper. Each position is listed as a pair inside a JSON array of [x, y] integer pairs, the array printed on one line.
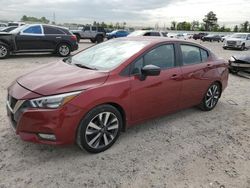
[[28, 123]]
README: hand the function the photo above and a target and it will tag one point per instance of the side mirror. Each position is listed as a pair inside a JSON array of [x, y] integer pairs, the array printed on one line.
[[149, 70]]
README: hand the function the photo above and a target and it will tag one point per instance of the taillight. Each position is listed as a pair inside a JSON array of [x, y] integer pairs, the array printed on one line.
[[73, 37]]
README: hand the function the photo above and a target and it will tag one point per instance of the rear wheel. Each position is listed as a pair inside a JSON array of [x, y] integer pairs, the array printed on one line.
[[99, 129], [63, 50], [211, 97], [99, 38], [4, 51]]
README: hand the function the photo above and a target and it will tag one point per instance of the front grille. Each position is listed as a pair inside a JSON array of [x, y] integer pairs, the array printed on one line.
[[231, 43]]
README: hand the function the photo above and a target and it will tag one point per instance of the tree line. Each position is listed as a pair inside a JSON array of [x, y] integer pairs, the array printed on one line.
[[210, 23]]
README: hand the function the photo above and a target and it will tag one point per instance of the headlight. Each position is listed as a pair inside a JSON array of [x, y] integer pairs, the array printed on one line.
[[231, 59], [53, 101], [238, 42]]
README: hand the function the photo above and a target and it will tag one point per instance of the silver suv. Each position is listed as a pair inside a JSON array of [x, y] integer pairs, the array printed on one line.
[[238, 41], [95, 34]]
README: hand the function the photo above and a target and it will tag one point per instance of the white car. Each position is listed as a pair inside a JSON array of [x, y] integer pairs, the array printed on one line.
[[238, 41], [148, 33]]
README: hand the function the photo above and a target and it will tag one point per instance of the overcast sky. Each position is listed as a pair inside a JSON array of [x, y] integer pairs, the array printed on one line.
[[134, 12]]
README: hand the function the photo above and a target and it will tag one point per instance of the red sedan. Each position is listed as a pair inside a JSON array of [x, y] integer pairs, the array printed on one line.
[[91, 97]]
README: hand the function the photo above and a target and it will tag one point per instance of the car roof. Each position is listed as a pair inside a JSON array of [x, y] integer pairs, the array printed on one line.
[[158, 40]]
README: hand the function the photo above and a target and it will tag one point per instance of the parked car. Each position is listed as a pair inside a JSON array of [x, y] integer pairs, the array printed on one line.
[[148, 33], [93, 33], [3, 25], [38, 38], [211, 38], [225, 37], [8, 29], [117, 34], [91, 97], [199, 35], [238, 41], [239, 63], [17, 24]]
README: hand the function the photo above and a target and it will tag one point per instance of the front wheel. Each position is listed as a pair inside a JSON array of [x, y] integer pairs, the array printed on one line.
[[4, 51], [99, 129], [242, 47], [63, 50], [211, 97]]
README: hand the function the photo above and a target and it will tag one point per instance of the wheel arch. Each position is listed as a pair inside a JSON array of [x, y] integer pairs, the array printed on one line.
[[63, 42], [220, 84]]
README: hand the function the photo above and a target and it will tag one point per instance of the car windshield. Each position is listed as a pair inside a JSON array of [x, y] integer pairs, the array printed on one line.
[[108, 55], [136, 33], [18, 29], [239, 36]]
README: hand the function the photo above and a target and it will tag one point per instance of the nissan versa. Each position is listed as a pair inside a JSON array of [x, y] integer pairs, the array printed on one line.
[[91, 97]]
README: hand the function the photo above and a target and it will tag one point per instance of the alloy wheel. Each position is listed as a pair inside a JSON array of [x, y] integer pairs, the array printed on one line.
[[64, 50], [212, 96], [102, 130], [3, 51]]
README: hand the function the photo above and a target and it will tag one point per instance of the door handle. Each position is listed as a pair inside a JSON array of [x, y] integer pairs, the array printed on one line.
[[174, 77], [58, 37], [209, 65]]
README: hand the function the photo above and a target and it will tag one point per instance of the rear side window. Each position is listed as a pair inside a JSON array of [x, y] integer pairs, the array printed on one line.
[[52, 31], [87, 28], [193, 55], [155, 34], [93, 28], [33, 30]]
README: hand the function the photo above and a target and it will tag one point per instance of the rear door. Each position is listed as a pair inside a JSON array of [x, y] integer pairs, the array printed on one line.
[[53, 36], [156, 95], [30, 38], [197, 74]]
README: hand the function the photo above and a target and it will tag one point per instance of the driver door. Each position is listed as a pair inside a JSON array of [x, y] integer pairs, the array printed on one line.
[[156, 95], [30, 38]]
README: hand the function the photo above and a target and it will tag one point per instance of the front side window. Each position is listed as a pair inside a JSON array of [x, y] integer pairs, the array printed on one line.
[[33, 30], [162, 56], [87, 28], [93, 28]]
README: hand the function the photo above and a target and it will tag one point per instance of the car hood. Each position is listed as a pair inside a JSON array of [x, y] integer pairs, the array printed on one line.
[[234, 39], [245, 58], [60, 77]]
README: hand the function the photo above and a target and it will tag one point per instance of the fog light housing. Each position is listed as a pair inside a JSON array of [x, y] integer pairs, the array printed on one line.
[[44, 136]]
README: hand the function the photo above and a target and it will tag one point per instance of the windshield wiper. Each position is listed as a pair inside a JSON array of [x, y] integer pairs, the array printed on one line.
[[84, 66]]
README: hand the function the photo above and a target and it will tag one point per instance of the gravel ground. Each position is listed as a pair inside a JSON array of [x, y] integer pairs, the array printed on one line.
[[188, 149]]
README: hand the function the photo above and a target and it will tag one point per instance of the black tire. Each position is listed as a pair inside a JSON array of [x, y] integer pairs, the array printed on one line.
[[213, 95], [93, 40], [224, 47], [243, 47], [63, 50], [78, 38], [4, 51], [99, 38], [86, 132]]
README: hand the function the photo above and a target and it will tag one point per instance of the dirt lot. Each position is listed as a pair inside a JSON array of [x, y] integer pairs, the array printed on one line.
[[187, 149]]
